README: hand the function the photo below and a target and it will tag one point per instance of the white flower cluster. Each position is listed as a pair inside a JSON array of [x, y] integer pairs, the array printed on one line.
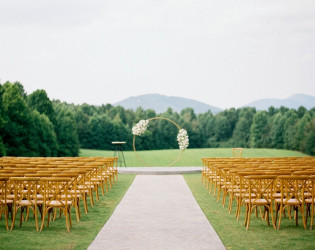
[[182, 139], [140, 127]]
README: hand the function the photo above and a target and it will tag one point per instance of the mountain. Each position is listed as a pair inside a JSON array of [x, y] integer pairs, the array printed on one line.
[[160, 103], [294, 101]]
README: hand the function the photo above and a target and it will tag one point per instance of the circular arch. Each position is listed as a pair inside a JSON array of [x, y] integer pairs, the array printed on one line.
[[134, 141]]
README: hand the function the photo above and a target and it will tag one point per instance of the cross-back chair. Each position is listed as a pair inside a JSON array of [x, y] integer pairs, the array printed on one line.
[[260, 191], [56, 196], [292, 196], [25, 198]]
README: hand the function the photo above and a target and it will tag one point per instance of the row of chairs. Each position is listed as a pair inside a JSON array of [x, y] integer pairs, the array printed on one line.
[[44, 185], [268, 185]]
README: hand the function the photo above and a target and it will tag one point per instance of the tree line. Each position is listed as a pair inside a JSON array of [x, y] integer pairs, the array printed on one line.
[[33, 125]]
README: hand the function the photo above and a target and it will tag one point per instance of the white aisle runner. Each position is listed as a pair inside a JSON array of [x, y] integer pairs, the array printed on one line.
[[157, 212]]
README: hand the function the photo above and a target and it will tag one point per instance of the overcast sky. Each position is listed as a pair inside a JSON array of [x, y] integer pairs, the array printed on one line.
[[224, 53]]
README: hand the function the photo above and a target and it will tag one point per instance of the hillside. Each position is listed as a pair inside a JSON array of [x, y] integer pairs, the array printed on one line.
[[294, 101], [160, 103]]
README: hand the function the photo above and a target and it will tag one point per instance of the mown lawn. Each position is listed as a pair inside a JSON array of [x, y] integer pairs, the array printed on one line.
[[56, 237], [190, 157], [259, 236]]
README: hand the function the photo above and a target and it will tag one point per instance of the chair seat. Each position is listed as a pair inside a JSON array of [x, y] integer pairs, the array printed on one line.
[[310, 201], [55, 203], [291, 202], [85, 187], [7, 201], [29, 203], [276, 195], [257, 202], [64, 197], [307, 194]]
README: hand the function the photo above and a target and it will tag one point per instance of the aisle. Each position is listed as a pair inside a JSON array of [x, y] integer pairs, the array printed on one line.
[[157, 212]]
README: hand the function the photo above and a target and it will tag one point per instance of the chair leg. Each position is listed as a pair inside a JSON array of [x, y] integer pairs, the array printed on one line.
[[36, 218], [280, 213], [69, 212], [21, 216], [307, 212], [296, 215], [6, 215], [277, 210], [248, 216], [43, 219], [106, 184], [267, 215], [102, 188], [303, 216], [77, 209], [91, 197], [85, 202], [14, 215], [96, 192], [67, 222]]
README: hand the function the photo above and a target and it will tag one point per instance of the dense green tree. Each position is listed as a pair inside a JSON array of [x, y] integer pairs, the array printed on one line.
[[102, 132], [232, 118], [289, 135], [259, 131], [221, 128], [277, 131], [206, 125], [66, 131], [309, 138], [16, 136], [43, 140], [84, 132], [301, 111], [272, 111], [301, 128], [39, 101], [241, 132]]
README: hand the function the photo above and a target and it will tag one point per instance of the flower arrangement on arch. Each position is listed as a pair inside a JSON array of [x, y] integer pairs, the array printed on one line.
[[182, 138], [140, 127]]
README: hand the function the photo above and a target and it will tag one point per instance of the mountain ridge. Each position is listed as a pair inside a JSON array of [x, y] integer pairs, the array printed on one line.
[[160, 103], [294, 101]]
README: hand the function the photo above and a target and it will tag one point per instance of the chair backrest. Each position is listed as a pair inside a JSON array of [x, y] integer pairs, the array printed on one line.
[[56, 189], [293, 187], [260, 187], [25, 188]]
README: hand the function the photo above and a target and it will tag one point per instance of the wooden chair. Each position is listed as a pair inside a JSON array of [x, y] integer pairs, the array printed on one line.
[[292, 196], [237, 152], [260, 190], [310, 202], [25, 197], [5, 204], [73, 193], [56, 196]]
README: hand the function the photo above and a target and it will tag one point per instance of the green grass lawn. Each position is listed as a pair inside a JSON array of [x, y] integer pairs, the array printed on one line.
[[259, 236], [56, 237], [190, 157]]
